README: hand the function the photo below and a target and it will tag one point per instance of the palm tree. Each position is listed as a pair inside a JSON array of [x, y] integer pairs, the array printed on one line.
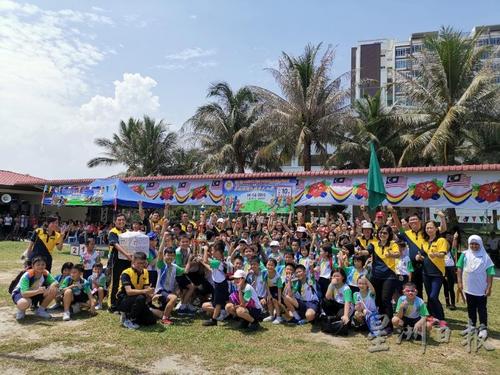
[[371, 122], [142, 145], [311, 106], [226, 131], [184, 161], [454, 94]]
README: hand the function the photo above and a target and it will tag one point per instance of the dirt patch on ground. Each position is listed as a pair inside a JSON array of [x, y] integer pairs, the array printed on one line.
[[10, 328], [53, 351], [341, 342], [7, 276], [176, 364], [12, 370]]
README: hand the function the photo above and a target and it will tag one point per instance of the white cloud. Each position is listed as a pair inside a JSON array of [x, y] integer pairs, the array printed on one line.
[[193, 16], [45, 65], [132, 98], [191, 53]]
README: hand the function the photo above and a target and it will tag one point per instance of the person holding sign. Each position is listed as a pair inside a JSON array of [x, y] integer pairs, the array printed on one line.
[[115, 264]]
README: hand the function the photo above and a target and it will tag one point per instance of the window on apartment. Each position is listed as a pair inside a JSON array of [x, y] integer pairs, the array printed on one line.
[[415, 48], [402, 51], [402, 64]]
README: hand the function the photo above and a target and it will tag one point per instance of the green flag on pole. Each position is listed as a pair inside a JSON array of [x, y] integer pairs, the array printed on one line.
[[375, 183]]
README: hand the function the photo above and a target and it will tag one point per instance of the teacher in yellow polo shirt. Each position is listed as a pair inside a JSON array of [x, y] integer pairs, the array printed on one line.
[[45, 239]]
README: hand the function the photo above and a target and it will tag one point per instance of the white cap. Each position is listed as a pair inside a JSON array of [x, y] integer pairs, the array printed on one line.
[[274, 243], [367, 225], [220, 220], [239, 274], [243, 240], [301, 229]]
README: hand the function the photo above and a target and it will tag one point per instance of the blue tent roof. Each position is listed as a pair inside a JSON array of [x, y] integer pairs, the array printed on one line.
[[116, 192]]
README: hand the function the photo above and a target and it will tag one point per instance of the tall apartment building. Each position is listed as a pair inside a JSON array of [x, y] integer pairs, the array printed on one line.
[[377, 64]]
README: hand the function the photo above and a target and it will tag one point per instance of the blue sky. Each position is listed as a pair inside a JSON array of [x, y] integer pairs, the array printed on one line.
[[85, 64]]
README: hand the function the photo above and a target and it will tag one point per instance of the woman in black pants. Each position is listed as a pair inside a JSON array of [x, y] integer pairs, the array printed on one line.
[[384, 252], [450, 270]]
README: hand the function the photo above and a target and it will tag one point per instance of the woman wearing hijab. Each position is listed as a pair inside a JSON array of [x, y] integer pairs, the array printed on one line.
[[475, 278]]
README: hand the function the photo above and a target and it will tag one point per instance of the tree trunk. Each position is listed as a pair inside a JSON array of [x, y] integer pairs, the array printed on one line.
[[240, 163], [306, 155]]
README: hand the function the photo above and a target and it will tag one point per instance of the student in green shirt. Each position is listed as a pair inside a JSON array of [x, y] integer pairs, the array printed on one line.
[[411, 310], [36, 286]]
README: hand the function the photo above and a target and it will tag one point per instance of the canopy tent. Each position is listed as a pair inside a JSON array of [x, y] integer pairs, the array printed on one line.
[[117, 193], [101, 192]]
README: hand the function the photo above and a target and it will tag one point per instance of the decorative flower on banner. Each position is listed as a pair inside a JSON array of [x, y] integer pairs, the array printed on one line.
[[199, 192], [317, 190], [487, 192], [426, 190], [167, 193], [360, 191]]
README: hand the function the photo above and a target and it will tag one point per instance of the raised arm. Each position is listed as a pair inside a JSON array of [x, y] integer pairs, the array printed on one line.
[[443, 227]]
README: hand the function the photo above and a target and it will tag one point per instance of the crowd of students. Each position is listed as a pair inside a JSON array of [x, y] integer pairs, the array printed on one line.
[[259, 268]]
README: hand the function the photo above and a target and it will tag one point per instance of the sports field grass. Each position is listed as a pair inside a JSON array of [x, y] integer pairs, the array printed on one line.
[[99, 345]]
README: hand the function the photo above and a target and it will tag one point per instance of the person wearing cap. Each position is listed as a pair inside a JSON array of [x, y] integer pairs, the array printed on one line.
[[276, 253], [219, 225], [244, 303], [301, 235], [366, 236], [151, 258]]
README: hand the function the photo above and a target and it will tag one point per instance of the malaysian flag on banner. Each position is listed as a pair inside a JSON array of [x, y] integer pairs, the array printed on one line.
[[183, 186], [342, 181], [458, 180], [396, 181]]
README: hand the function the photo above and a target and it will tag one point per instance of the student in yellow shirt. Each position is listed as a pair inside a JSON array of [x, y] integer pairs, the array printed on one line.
[[44, 240], [431, 255]]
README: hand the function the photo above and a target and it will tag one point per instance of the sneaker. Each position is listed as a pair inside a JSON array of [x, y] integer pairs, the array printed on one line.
[[123, 317], [222, 315], [130, 324], [483, 334], [254, 326], [166, 321], [98, 306], [302, 322], [469, 329], [269, 318], [42, 313], [76, 308], [20, 314], [278, 320], [66, 316], [55, 307], [209, 322]]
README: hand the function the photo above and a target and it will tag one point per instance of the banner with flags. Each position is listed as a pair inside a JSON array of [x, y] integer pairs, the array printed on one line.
[[181, 193], [471, 190]]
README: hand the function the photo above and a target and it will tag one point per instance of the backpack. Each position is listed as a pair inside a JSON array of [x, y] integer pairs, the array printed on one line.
[[333, 326], [14, 282]]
